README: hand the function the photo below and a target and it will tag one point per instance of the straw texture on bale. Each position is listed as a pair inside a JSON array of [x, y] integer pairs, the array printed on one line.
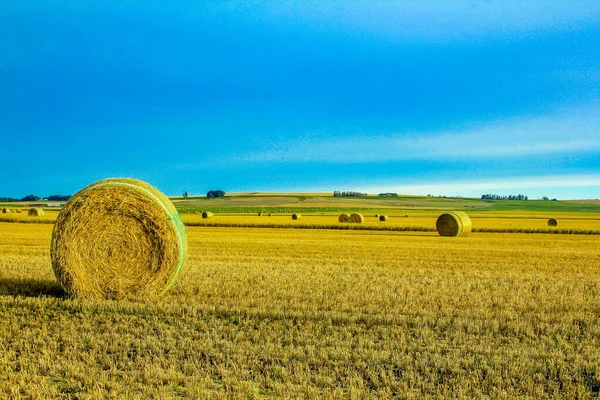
[[6, 211], [383, 217], [118, 238], [344, 218], [35, 212], [455, 223], [207, 214], [356, 218], [296, 216], [552, 222]]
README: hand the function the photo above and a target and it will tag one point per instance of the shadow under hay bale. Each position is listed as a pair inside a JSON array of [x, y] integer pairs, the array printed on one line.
[[296, 216], [207, 214], [553, 222], [344, 218], [383, 218], [118, 238], [456, 223], [356, 218], [35, 212]]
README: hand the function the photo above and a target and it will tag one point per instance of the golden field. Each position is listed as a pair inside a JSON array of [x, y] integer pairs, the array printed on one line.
[[314, 313]]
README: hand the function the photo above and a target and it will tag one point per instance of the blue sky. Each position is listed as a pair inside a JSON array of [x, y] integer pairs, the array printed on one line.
[[416, 97]]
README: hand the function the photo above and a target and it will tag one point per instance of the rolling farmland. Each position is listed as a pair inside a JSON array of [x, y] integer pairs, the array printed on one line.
[[315, 313]]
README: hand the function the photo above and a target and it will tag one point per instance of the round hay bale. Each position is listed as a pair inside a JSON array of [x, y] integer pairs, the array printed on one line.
[[270, 214], [344, 218], [118, 238], [383, 218], [405, 215], [376, 215], [35, 212], [207, 214], [455, 223], [356, 218], [552, 222], [259, 214], [296, 216], [6, 211]]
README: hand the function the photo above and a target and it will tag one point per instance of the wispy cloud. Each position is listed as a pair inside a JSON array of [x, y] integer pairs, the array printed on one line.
[[548, 185], [572, 133]]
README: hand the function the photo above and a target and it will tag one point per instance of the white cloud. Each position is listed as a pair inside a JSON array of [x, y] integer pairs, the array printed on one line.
[[562, 186], [575, 132]]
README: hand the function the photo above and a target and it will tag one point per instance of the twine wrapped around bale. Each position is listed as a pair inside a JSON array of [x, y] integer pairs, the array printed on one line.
[[35, 212], [383, 218], [552, 222], [296, 216], [344, 218], [455, 223], [356, 218], [118, 238], [6, 211], [207, 214]]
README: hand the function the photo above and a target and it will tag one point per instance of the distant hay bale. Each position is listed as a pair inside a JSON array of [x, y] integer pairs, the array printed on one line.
[[17, 210], [383, 218], [118, 238], [553, 222], [296, 216], [207, 214], [6, 211], [455, 223], [35, 212], [356, 218], [269, 214], [405, 215], [376, 215], [344, 218], [259, 214]]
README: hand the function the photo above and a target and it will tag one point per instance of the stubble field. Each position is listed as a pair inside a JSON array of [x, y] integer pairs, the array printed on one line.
[[315, 313]]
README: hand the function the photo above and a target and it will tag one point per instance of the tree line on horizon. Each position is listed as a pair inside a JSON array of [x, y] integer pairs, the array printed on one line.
[[31, 197], [504, 197]]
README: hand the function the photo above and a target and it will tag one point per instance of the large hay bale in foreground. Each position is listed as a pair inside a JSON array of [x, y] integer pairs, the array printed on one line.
[[552, 222], [6, 211], [344, 218], [383, 218], [118, 238], [35, 212], [296, 216], [207, 214], [356, 218], [455, 223]]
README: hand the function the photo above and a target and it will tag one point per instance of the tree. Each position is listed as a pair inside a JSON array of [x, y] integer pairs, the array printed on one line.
[[185, 194], [30, 197], [214, 194]]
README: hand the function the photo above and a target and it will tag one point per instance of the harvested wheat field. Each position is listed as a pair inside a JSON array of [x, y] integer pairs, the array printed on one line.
[[314, 313]]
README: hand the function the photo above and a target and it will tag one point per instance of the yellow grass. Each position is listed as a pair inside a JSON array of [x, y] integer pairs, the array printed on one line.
[[314, 313]]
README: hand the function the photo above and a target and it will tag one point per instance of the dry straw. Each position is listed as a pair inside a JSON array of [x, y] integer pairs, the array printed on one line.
[[35, 212], [455, 223], [356, 218], [296, 216], [118, 238], [383, 217], [344, 218], [207, 214], [552, 222]]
